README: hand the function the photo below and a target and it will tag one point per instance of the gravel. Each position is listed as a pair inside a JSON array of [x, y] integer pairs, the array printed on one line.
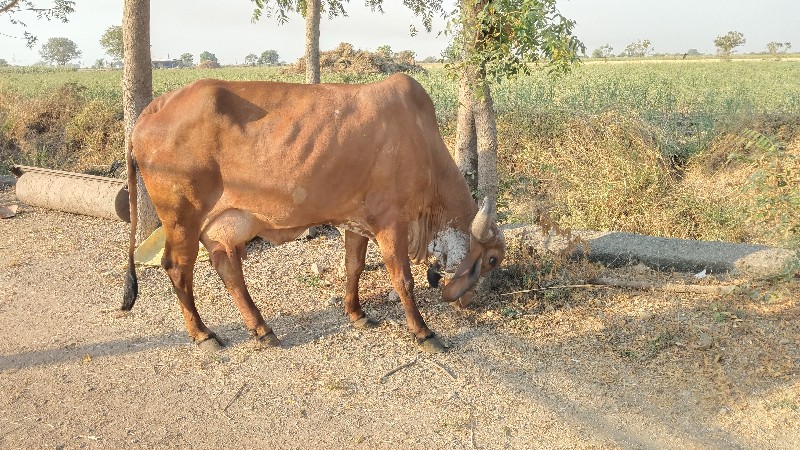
[[598, 367]]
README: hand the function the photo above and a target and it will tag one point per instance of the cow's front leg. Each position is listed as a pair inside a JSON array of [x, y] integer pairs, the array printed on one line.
[[393, 243], [354, 259]]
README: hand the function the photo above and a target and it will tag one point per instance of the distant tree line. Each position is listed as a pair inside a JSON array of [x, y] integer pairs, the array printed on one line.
[[726, 45]]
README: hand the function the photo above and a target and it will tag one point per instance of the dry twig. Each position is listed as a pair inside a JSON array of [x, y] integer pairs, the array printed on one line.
[[564, 286], [443, 368], [666, 287], [671, 287], [397, 369], [235, 397]]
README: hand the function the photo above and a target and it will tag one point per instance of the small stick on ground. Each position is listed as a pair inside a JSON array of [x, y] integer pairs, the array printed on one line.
[[566, 286], [397, 369], [472, 422], [235, 397], [443, 368], [671, 287], [666, 287]]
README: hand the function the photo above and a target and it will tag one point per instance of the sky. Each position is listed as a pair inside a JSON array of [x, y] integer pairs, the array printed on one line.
[[194, 26]]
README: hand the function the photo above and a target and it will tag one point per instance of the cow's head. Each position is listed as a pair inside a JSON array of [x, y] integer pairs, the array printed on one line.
[[486, 250]]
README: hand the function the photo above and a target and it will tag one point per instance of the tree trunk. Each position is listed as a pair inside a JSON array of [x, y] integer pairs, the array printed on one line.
[[466, 142], [486, 130], [476, 108], [313, 11], [137, 92], [466, 152]]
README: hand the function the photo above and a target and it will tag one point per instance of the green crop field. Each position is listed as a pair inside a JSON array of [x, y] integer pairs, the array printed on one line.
[[702, 149]]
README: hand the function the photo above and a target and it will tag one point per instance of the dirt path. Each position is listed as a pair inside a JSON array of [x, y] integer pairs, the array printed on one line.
[[603, 368]]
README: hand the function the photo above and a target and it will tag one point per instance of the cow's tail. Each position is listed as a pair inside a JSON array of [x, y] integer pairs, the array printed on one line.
[[131, 283]]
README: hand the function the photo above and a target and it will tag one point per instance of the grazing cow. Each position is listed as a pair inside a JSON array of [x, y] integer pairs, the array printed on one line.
[[227, 161]]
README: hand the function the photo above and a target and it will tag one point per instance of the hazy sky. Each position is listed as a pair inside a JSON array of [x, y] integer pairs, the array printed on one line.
[[194, 26]]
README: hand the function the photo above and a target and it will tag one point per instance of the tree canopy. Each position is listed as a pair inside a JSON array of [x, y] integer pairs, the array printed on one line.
[[251, 59], [269, 58], [725, 44], [279, 9], [604, 51], [111, 41], [208, 56], [208, 60], [187, 60], [501, 37], [59, 50], [640, 48], [774, 48]]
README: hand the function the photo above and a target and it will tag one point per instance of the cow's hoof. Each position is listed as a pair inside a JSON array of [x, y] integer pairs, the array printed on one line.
[[430, 344], [210, 344], [268, 340], [365, 323]]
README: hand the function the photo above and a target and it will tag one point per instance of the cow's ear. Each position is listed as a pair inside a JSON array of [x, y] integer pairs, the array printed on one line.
[[467, 275]]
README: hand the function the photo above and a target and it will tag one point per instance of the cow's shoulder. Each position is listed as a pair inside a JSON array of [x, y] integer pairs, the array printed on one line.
[[406, 87], [187, 96], [404, 83]]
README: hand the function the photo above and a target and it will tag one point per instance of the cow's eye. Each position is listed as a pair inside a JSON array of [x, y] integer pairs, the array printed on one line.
[[492, 261]]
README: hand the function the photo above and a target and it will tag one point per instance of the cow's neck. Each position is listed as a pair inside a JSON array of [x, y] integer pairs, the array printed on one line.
[[443, 232]]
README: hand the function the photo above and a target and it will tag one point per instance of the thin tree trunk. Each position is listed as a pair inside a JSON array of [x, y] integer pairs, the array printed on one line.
[[466, 141], [483, 114], [466, 151], [486, 130], [137, 92], [313, 11]]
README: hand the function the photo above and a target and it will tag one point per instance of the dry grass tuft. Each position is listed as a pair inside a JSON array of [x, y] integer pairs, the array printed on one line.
[[745, 186], [346, 59], [61, 130], [609, 172], [601, 171]]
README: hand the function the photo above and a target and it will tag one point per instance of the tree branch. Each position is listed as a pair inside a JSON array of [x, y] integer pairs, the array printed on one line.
[[8, 6]]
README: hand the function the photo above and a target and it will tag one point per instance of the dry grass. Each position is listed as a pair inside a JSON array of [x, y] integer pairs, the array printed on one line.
[[747, 181], [607, 172], [346, 59], [62, 130], [600, 171]]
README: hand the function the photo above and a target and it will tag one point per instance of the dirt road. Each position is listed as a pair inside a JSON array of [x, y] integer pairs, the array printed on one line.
[[604, 368]]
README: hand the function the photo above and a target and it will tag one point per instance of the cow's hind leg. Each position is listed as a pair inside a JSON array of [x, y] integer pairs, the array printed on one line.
[[180, 254], [355, 255], [393, 242]]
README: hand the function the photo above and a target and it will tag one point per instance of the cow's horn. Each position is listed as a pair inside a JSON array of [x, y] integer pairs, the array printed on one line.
[[482, 224]]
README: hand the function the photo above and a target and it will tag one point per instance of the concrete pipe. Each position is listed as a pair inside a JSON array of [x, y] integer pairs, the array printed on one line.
[[73, 192]]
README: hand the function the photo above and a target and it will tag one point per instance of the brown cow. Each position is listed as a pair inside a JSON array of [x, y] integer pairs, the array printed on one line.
[[227, 161]]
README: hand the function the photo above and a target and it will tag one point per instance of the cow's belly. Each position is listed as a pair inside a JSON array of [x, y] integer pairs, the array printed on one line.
[[232, 227], [277, 237]]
